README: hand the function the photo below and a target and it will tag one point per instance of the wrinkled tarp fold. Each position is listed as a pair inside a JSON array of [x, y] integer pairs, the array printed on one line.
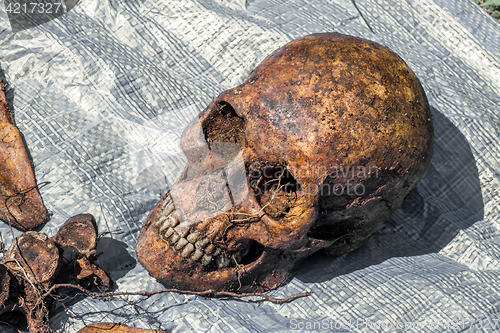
[[103, 92]]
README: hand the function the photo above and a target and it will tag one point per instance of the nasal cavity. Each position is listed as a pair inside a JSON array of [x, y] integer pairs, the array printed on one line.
[[224, 130]]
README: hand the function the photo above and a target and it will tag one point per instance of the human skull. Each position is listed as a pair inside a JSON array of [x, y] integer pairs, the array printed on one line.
[[314, 151]]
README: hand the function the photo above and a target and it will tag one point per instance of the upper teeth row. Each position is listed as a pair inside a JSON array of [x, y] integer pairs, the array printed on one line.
[[185, 240]]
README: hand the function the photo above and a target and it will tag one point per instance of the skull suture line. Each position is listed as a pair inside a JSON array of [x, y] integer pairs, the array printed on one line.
[[313, 151]]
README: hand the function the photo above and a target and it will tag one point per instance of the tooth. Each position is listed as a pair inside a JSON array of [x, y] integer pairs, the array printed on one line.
[[209, 249], [202, 243], [221, 262], [181, 243], [182, 230], [193, 237], [174, 238], [217, 252], [168, 233], [174, 220], [197, 254], [167, 197], [162, 219], [188, 249], [206, 260], [165, 224], [167, 208], [167, 204]]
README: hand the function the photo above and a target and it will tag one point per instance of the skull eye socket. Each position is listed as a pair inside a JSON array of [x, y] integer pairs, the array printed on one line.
[[224, 131], [275, 190]]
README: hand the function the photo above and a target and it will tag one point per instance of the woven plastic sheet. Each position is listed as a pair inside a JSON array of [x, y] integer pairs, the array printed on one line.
[[103, 92]]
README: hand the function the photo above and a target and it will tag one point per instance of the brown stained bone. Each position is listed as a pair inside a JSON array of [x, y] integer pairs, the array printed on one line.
[[20, 202], [83, 225], [319, 117], [34, 257], [34, 263], [5, 114], [4, 288], [114, 328], [84, 268]]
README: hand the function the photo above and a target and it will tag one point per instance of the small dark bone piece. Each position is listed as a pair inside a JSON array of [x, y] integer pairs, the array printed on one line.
[[114, 328], [85, 244], [84, 225], [34, 263], [20, 203]]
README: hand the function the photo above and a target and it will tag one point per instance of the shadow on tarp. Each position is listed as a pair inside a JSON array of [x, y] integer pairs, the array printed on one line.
[[114, 257], [447, 199], [26, 14]]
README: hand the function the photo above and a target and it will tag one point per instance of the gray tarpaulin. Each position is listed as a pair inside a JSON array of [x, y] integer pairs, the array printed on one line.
[[103, 92]]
